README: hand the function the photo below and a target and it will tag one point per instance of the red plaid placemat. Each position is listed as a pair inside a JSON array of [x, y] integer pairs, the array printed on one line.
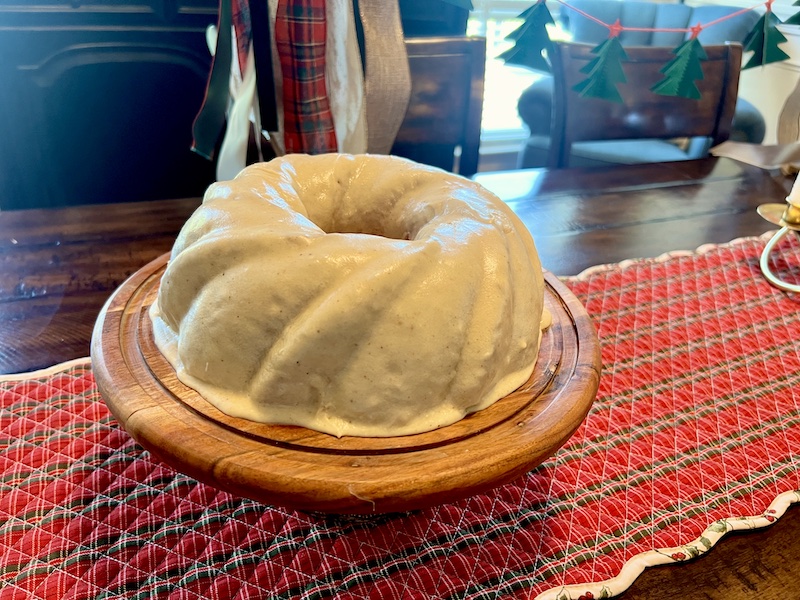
[[694, 433]]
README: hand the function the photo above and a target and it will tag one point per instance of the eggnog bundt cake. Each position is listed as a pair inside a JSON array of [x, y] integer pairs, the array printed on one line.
[[354, 295]]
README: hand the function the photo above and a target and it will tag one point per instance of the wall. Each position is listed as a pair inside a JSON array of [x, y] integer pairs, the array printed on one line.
[[769, 86], [97, 100]]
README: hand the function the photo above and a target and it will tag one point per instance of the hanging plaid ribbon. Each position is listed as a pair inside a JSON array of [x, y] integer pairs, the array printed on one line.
[[313, 92], [300, 32], [242, 27]]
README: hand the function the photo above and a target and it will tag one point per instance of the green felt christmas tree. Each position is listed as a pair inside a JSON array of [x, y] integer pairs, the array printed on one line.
[[604, 72], [682, 71], [532, 46], [531, 39], [763, 41], [795, 18]]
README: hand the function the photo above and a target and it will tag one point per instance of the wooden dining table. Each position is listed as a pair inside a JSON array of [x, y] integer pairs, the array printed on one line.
[[59, 266]]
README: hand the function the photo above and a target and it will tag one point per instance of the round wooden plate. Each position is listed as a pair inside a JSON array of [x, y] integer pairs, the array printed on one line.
[[306, 470]]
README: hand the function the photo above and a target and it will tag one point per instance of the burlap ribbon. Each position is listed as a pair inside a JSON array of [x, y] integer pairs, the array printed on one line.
[[388, 80]]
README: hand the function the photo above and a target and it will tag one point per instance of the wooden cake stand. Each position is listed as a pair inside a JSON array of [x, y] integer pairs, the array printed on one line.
[[306, 470]]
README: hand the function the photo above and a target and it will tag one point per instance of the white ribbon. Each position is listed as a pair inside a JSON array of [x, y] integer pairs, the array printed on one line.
[[233, 152], [344, 78]]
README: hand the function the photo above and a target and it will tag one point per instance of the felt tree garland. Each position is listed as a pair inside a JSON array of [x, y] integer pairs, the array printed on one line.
[[532, 42], [682, 71], [763, 40], [606, 71]]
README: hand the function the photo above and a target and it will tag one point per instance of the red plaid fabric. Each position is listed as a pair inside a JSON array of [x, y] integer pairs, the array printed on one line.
[[695, 432], [300, 32], [242, 25]]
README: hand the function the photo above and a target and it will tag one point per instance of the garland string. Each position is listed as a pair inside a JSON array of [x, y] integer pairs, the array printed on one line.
[[608, 26], [532, 43]]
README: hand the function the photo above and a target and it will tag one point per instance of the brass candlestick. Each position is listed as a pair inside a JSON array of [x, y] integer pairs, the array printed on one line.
[[788, 217]]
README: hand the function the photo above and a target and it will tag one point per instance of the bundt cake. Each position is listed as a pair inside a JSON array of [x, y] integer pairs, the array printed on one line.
[[354, 295]]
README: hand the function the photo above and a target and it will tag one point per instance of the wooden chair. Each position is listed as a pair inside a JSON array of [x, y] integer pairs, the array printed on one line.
[[643, 114], [444, 112]]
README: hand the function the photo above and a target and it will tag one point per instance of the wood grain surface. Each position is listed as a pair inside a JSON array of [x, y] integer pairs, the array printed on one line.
[[303, 469], [58, 267], [584, 217]]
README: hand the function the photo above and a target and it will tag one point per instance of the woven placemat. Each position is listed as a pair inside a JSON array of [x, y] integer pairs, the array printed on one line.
[[694, 433]]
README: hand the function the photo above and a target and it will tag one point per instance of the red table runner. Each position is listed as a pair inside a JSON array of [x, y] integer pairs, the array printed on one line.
[[694, 433]]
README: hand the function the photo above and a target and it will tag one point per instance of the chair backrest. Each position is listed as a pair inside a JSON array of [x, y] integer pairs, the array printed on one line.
[[444, 112], [642, 114]]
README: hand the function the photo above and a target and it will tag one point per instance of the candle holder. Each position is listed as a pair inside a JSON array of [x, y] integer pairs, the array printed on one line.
[[787, 216]]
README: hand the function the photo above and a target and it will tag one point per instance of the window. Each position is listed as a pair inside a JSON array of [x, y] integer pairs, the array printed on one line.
[[502, 129], [501, 125]]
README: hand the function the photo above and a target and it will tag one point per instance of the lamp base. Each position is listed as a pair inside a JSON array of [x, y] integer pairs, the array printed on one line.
[[777, 214]]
